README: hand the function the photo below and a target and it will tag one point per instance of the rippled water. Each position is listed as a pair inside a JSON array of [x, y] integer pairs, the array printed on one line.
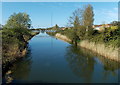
[[50, 60]]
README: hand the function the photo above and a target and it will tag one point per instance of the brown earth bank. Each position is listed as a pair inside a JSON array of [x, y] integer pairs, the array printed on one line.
[[15, 53], [105, 51]]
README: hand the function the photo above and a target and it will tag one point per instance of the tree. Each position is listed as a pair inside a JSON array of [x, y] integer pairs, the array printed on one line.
[[14, 38], [20, 20], [88, 19], [115, 23], [88, 16], [56, 26], [75, 20], [76, 17], [1, 26], [81, 20]]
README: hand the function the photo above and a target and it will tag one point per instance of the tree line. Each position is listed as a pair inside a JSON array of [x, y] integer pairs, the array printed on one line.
[[81, 28]]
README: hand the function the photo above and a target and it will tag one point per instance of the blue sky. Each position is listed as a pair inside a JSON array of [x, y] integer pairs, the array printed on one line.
[[60, 0], [40, 12]]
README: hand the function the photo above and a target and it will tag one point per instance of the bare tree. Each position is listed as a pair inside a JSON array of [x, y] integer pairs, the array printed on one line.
[[77, 14]]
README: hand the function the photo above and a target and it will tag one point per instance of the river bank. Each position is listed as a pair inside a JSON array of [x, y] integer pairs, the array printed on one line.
[[16, 52], [108, 52]]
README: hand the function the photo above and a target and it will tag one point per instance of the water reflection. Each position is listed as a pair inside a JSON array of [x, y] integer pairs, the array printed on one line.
[[86, 66], [81, 63], [84, 63], [109, 65], [21, 69]]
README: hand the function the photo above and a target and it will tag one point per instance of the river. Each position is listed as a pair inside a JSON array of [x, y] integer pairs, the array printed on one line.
[[50, 60]]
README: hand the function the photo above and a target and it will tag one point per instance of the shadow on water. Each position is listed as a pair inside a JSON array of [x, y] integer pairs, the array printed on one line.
[[82, 62], [20, 69], [86, 66]]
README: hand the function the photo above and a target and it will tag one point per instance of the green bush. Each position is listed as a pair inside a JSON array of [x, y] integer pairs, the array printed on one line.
[[109, 37], [13, 42]]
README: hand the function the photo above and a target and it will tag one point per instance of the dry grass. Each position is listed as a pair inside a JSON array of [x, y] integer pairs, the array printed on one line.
[[108, 52], [62, 37]]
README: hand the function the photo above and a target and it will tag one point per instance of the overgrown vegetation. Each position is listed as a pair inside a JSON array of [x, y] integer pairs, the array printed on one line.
[[15, 35], [81, 23], [109, 36]]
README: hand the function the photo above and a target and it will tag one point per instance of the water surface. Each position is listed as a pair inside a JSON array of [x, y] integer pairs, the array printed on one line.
[[50, 60]]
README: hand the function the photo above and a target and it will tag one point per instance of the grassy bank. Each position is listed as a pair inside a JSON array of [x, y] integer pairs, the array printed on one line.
[[109, 52], [100, 48]]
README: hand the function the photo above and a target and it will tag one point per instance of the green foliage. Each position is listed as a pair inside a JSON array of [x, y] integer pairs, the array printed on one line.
[[75, 20], [51, 33], [82, 21], [115, 23], [81, 32], [20, 20], [14, 37], [13, 40], [56, 26], [109, 37]]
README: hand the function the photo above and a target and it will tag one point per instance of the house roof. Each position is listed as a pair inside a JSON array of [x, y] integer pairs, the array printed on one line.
[[97, 25], [101, 25]]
